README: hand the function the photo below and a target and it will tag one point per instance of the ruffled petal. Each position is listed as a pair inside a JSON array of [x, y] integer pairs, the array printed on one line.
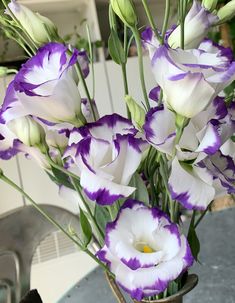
[[191, 186]]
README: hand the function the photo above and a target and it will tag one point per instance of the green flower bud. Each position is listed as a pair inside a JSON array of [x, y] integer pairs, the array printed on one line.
[[137, 112], [3, 71], [210, 5], [39, 28], [27, 131], [226, 12], [126, 11]]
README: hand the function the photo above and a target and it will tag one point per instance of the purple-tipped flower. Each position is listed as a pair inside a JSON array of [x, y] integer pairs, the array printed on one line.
[[107, 154], [191, 79], [45, 86], [197, 24], [144, 250]]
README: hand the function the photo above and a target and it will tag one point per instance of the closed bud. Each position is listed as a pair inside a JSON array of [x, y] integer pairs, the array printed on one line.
[[3, 71], [210, 5], [39, 28], [137, 112], [226, 12], [125, 11], [27, 131]]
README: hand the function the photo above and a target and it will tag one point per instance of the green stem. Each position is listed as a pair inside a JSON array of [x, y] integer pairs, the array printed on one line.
[[91, 61], [63, 170], [51, 220], [151, 20], [79, 191], [126, 89], [166, 19], [202, 216], [141, 65], [80, 75]]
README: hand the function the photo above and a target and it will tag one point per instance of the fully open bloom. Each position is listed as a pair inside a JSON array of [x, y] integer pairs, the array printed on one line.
[[197, 24], [144, 250], [106, 155], [45, 87], [191, 79]]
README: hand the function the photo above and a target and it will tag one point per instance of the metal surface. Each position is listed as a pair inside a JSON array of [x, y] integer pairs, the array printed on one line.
[[216, 271], [21, 231]]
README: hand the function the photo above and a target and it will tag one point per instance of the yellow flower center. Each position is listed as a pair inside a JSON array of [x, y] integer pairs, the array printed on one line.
[[147, 249]]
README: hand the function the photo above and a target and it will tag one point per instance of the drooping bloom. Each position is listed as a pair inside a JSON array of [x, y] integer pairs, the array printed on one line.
[[198, 22], [45, 86], [39, 28], [144, 250], [106, 154], [191, 79]]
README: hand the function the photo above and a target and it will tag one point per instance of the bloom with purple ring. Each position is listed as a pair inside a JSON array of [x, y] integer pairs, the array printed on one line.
[[46, 86], [144, 250], [107, 154]]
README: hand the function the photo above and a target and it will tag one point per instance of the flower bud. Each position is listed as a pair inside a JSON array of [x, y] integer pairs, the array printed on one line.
[[3, 71], [38, 27], [226, 12], [125, 11], [27, 131], [210, 5]]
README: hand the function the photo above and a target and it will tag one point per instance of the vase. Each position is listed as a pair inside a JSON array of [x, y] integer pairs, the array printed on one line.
[[190, 283]]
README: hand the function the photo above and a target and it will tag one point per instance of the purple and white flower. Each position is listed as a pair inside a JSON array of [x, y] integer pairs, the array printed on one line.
[[106, 155], [144, 250], [191, 79], [45, 86], [198, 22]]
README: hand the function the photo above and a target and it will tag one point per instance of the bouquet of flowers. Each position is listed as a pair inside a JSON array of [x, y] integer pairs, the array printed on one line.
[[132, 177]]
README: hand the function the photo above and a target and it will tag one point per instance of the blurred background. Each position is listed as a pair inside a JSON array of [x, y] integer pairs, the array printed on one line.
[[57, 265]]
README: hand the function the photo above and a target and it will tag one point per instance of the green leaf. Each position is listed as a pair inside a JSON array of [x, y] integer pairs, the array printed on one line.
[[86, 228], [141, 192], [60, 178], [102, 216], [116, 50], [194, 243]]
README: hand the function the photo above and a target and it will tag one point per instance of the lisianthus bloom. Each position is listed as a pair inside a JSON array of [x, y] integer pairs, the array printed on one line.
[[46, 87], [190, 182], [191, 79], [106, 155], [144, 250], [198, 21]]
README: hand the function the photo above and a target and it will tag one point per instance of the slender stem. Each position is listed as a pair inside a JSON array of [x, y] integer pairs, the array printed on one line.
[[80, 75], [63, 170], [151, 20], [51, 220], [91, 61], [166, 19], [126, 90], [141, 65], [79, 191], [202, 216], [116, 291]]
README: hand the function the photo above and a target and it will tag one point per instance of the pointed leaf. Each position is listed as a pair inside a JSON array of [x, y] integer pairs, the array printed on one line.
[[116, 50], [141, 192], [137, 112], [194, 242], [86, 228]]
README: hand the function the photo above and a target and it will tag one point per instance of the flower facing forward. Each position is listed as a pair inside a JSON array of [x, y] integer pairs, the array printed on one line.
[[197, 24], [191, 79], [39, 28], [106, 154], [46, 87], [144, 250]]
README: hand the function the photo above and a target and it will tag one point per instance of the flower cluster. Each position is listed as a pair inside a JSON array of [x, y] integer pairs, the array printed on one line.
[[179, 156]]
